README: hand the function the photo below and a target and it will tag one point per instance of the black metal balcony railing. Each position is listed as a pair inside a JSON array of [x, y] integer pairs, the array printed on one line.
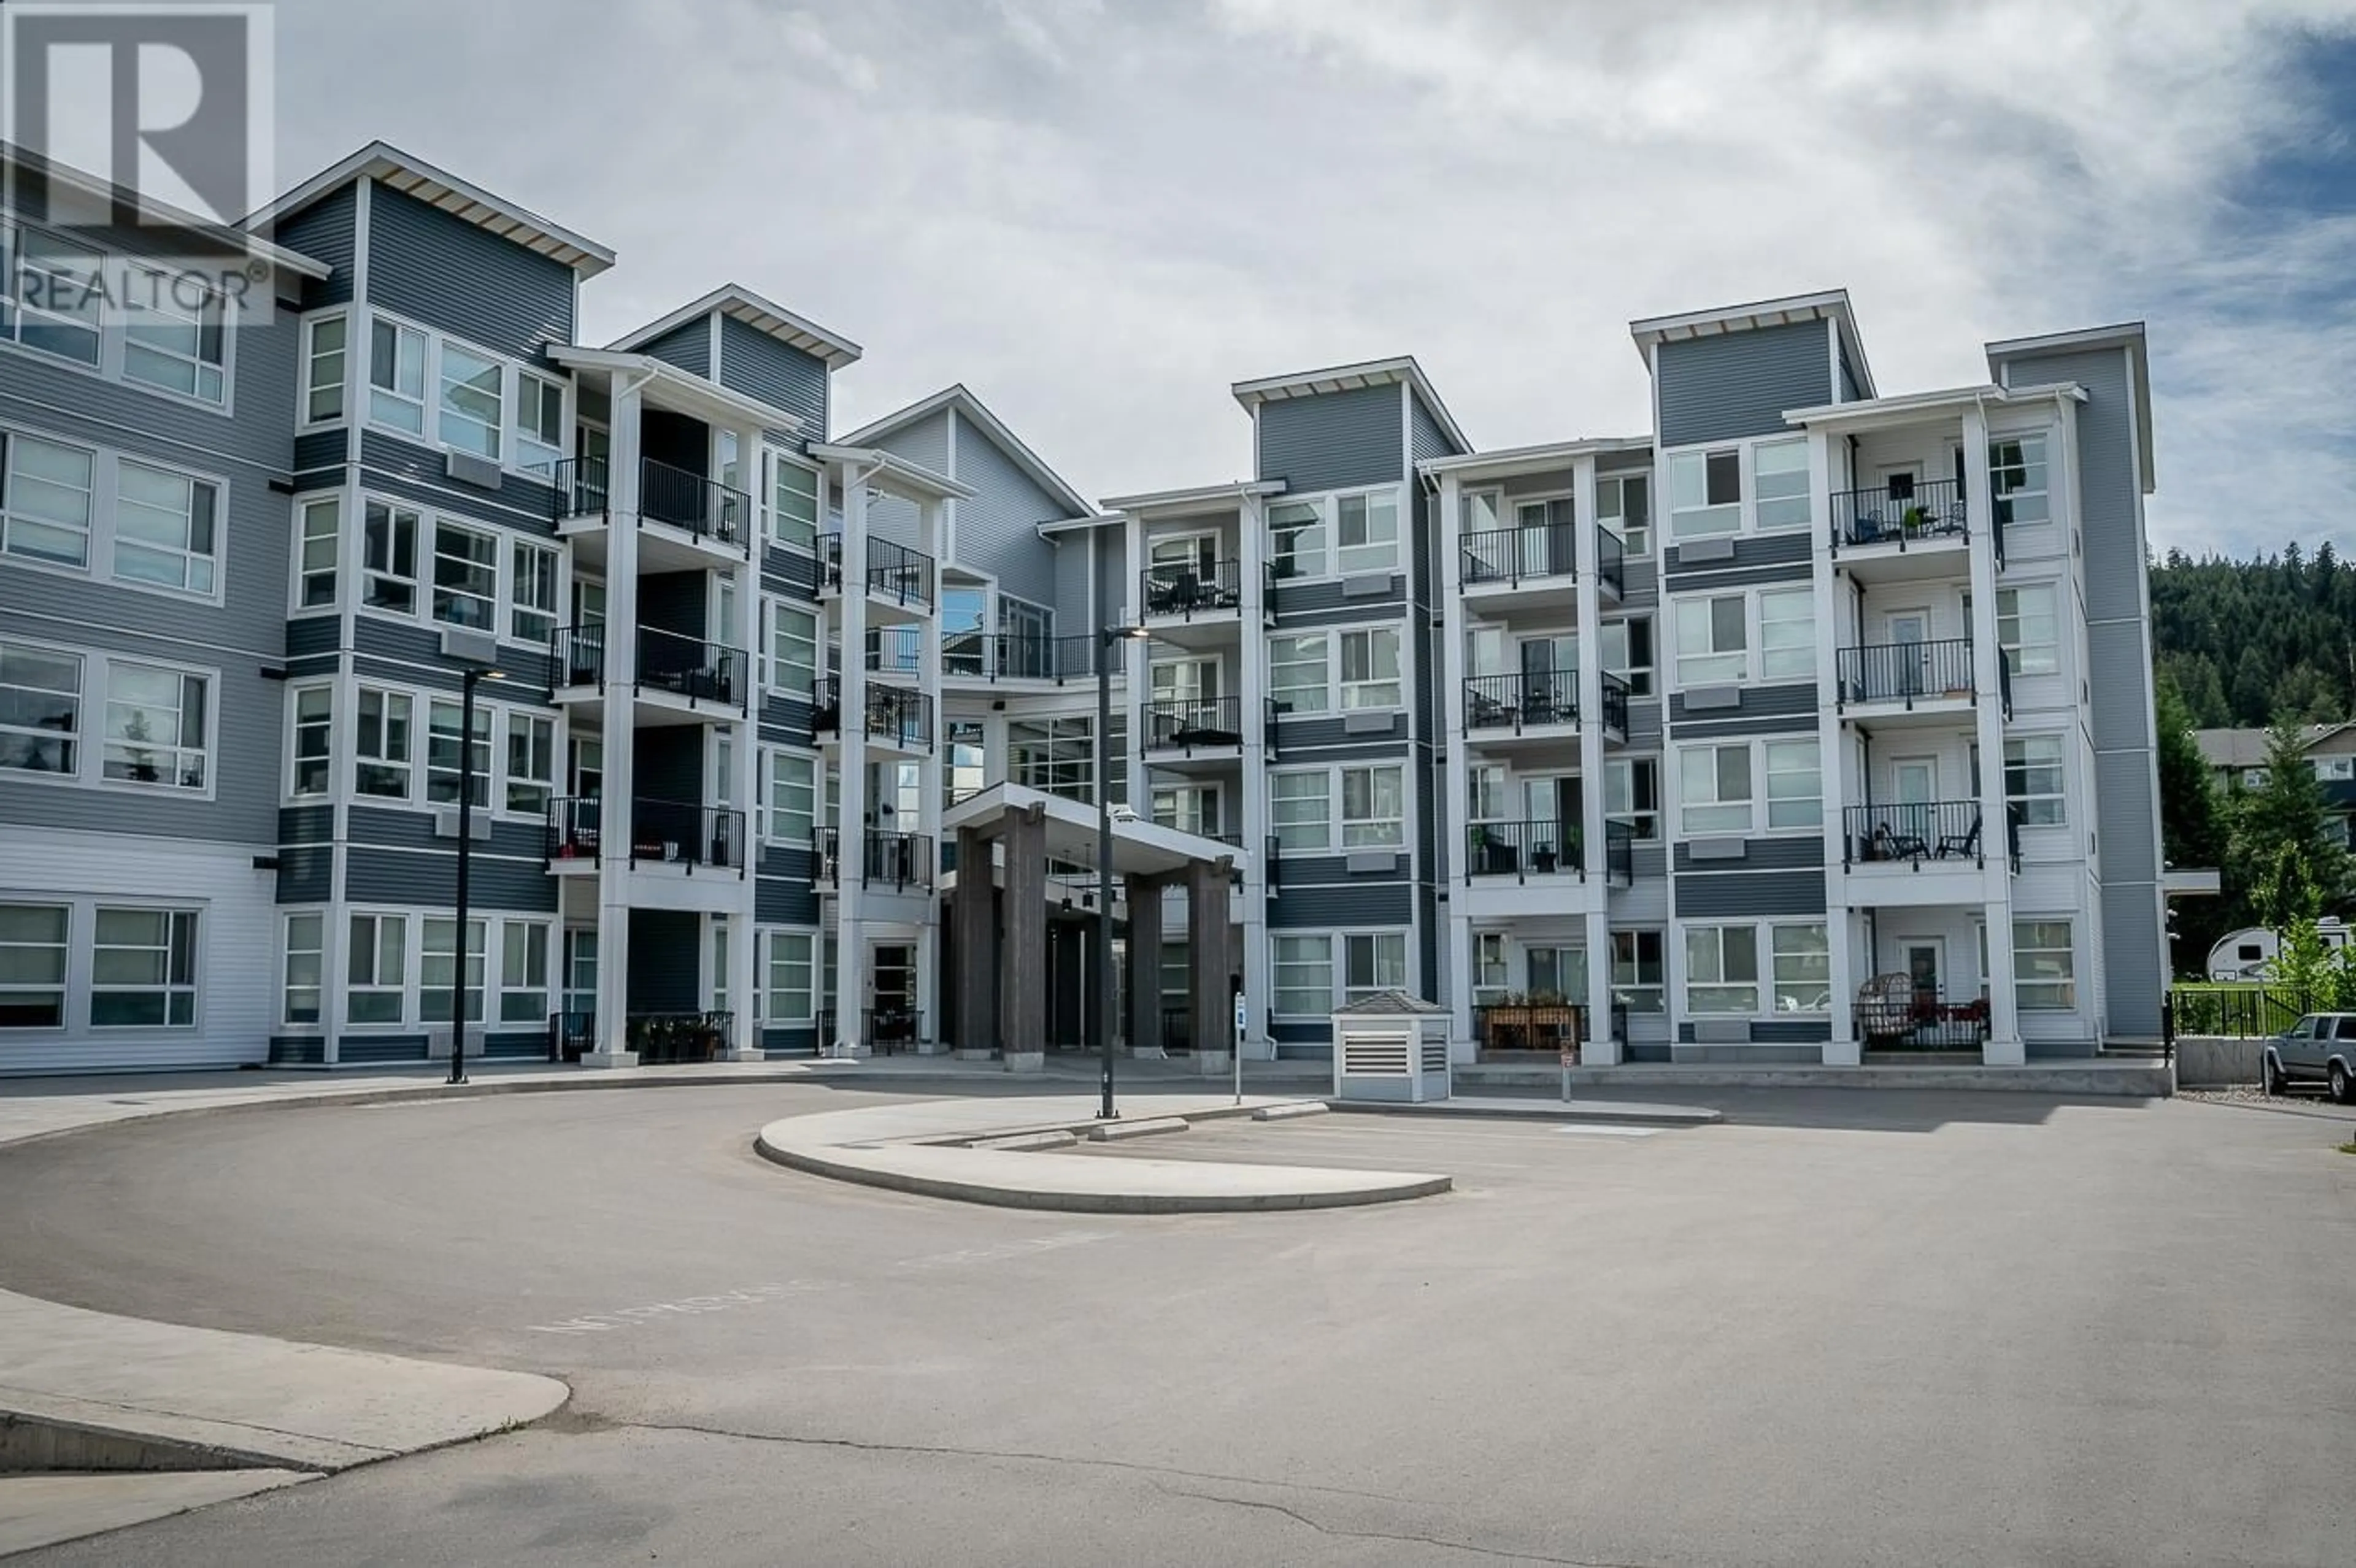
[[668, 1039], [887, 860], [690, 667], [581, 487], [572, 828], [1610, 561], [686, 834], [1019, 656], [1615, 703], [1183, 724], [1618, 854], [1905, 672], [895, 715], [1193, 588], [1510, 1029], [888, 1029], [893, 572], [1520, 555], [1900, 513], [1518, 701], [1178, 1028], [1890, 1016], [1912, 832], [1524, 849], [704, 508], [580, 654], [570, 1036]]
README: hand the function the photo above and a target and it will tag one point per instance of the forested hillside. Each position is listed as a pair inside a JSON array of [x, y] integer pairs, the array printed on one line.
[[2250, 642]]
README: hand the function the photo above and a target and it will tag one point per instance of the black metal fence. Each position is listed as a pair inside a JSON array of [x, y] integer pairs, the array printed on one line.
[[690, 667], [887, 859], [1192, 587], [1901, 512], [1523, 849], [1018, 656], [1923, 1018], [684, 833], [2234, 1012], [895, 714], [580, 653], [572, 824], [1511, 1029], [701, 506], [1610, 561], [1905, 672], [1185, 723], [1619, 853], [900, 574], [1520, 555], [570, 1036], [1914, 832], [583, 488], [1615, 703], [1521, 699], [668, 1039]]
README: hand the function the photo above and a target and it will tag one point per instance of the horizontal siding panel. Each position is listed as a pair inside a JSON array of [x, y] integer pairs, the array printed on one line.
[[785, 899], [1758, 705], [997, 529], [393, 827], [758, 365], [1315, 894], [326, 231], [403, 471], [310, 637], [321, 449], [1784, 852], [1323, 603], [307, 824], [1640, 582], [370, 1051], [687, 345], [410, 651], [1733, 894], [440, 270], [1753, 553], [1739, 384], [789, 1040], [1335, 442], [399, 877], [1427, 438], [306, 873]]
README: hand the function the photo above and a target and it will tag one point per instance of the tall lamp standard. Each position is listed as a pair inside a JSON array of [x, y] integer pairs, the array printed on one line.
[[1108, 638], [475, 674]]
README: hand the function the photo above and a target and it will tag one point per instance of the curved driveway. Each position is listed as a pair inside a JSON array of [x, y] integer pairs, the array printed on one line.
[[1851, 1328]]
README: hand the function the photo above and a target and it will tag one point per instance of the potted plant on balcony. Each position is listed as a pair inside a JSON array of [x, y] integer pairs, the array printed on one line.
[[1913, 521]]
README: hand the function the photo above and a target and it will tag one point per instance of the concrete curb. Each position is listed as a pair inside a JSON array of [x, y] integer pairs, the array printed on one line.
[[1291, 1113], [1121, 1132], [2129, 1080], [1596, 1112]]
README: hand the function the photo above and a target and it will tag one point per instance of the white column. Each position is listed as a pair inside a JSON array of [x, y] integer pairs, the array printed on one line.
[[744, 787], [621, 675], [1844, 1048], [1128, 609], [932, 533], [2004, 1047], [1250, 811], [851, 945], [1454, 765], [1600, 1047]]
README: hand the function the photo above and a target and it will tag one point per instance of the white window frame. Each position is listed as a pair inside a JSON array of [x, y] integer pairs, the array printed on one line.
[[1300, 700], [2010, 611], [514, 987], [796, 677], [2058, 762], [1629, 986], [1383, 950], [1795, 659], [1690, 802], [1722, 999], [15, 312], [1699, 518], [395, 704], [1308, 519], [781, 463], [391, 574], [1710, 665], [779, 816], [489, 625], [485, 775], [1643, 822], [1801, 811], [114, 276], [542, 748], [1637, 541], [533, 621], [447, 381], [158, 299], [1377, 552], [12, 440], [291, 971], [1373, 692], [1324, 795], [476, 976], [183, 997], [64, 949], [2055, 990], [366, 958], [778, 1001], [306, 414], [1298, 952], [1795, 949], [75, 743], [210, 718], [2036, 458], [397, 393], [200, 573], [534, 453], [322, 563], [1790, 499], [319, 727], [1617, 646], [1347, 824]]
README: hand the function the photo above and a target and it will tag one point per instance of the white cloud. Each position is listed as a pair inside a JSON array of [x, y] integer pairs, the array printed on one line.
[[1100, 216]]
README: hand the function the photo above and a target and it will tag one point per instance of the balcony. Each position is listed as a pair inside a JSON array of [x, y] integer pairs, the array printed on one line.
[[1525, 850], [895, 576], [1611, 562], [713, 517], [662, 832], [1528, 699], [887, 860], [1511, 557], [1197, 588], [666, 1040], [1192, 724], [1906, 676], [1914, 834], [695, 504], [1903, 514], [1894, 1013], [895, 715], [994, 657], [572, 836], [1516, 1031], [680, 678]]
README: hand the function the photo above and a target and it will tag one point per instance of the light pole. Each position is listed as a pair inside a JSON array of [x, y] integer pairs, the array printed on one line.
[[1108, 639], [476, 674]]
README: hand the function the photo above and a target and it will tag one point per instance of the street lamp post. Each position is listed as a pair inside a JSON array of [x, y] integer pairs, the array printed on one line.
[[476, 674], [1107, 638]]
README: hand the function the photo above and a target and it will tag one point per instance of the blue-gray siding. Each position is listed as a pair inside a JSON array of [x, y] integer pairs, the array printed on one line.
[[402, 876], [1317, 893], [1336, 441], [1428, 438], [405, 470], [438, 268], [778, 374], [1327, 601], [1739, 384], [326, 231], [1782, 852], [410, 651], [997, 529], [1739, 562], [687, 345], [1755, 708], [1739, 894]]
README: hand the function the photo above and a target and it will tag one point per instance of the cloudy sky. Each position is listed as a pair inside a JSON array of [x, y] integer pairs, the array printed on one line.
[[1099, 213]]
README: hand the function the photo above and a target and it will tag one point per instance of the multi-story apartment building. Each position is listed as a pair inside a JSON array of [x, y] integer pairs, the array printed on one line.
[[787, 741]]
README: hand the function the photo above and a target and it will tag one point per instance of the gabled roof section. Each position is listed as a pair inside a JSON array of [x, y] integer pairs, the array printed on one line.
[[1508, 462], [2126, 335], [1948, 401], [395, 169], [1350, 377], [976, 414], [697, 391], [1832, 305], [762, 315], [235, 239]]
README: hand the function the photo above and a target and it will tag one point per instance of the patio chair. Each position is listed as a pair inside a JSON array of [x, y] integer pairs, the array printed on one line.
[[1966, 845]]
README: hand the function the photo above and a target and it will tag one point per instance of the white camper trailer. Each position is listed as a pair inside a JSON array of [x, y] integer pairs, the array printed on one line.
[[2246, 954]]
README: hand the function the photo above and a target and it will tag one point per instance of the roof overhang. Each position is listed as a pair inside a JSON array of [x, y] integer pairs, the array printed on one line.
[[1138, 848], [1350, 377], [396, 170], [1830, 305], [973, 409], [895, 474], [2125, 335], [680, 384], [231, 238], [1911, 406], [1511, 462], [1193, 498], [1062, 525], [762, 315]]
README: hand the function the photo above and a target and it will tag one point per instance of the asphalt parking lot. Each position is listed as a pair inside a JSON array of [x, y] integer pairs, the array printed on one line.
[[1846, 1326]]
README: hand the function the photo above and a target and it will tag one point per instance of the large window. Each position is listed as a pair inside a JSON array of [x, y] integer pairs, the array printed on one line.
[[2044, 967], [1796, 786], [397, 377], [1721, 969], [156, 724], [305, 978], [2033, 779], [377, 971], [437, 969], [472, 401], [174, 342], [442, 758], [1623, 502], [1628, 653], [1484, 792], [523, 972], [2027, 630], [163, 529], [539, 423], [1631, 793], [1370, 667], [1705, 494], [1296, 673], [144, 969], [41, 710], [1787, 633], [531, 610], [1304, 975], [381, 745], [792, 981], [1366, 530], [315, 735], [1714, 788], [54, 296], [792, 650], [465, 577], [1636, 973], [1300, 809], [325, 368], [33, 965], [318, 542], [532, 763], [1713, 641], [1054, 756], [1374, 807], [1296, 532], [2017, 479], [1780, 480], [1803, 968], [1373, 963], [389, 558], [791, 797], [45, 501], [793, 502], [1189, 808], [964, 743]]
